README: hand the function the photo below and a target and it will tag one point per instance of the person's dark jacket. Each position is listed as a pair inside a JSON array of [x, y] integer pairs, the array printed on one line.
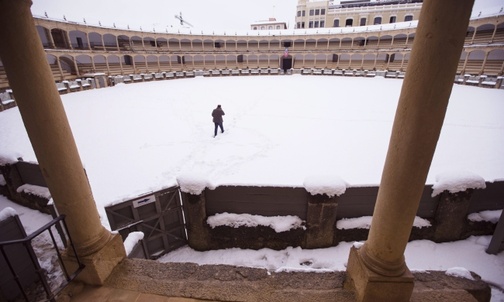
[[217, 114]]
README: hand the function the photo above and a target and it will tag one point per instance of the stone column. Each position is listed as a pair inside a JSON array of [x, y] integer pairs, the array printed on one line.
[[378, 269], [49, 131]]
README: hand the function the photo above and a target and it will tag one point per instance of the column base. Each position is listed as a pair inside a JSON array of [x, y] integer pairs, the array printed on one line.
[[100, 264], [370, 286]]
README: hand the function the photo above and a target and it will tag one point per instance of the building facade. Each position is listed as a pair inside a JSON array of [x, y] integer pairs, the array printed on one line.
[[351, 13], [270, 24]]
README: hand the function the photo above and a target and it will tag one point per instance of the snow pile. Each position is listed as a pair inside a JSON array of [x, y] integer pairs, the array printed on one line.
[[2, 180], [6, 213], [457, 181], [364, 222], [358, 244], [278, 223], [329, 185], [193, 183], [132, 239], [35, 190], [459, 272], [490, 216]]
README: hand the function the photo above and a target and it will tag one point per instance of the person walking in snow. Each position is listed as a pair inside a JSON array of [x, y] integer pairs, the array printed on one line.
[[217, 114]]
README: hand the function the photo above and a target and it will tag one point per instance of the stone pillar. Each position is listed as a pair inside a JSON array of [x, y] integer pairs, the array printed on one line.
[[320, 221], [197, 229], [377, 270], [450, 220], [49, 131]]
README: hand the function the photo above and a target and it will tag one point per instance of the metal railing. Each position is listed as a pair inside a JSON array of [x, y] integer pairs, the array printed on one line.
[[42, 277]]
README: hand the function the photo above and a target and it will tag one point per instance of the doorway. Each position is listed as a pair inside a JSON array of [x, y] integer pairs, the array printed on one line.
[[286, 63]]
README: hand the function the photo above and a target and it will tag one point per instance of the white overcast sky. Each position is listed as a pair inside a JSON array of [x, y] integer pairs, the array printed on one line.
[[219, 15]]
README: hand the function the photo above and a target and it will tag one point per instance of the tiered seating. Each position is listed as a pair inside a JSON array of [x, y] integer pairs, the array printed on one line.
[[473, 67], [493, 67], [61, 76]]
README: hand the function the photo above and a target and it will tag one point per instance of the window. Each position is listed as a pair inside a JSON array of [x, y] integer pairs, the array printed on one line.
[[336, 23], [349, 22], [299, 13], [298, 25], [255, 27], [408, 18], [322, 11], [302, 25], [278, 27], [270, 27], [363, 22], [393, 19], [312, 12], [317, 12], [316, 24], [322, 23], [304, 13], [377, 20], [310, 24]]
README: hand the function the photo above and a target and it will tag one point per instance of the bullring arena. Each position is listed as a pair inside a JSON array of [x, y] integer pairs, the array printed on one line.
[[184, 213], [77, 52]]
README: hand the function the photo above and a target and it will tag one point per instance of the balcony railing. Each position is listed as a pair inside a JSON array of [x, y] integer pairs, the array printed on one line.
[[26, 245]]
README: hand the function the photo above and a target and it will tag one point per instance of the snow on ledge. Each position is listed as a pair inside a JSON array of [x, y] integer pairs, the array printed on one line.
[[490, 216], [35, 190], [6, 213], [193, 183], [459, 272], [358, 244], [132, 239], [329, 185], [457, 181], [364, 222], [278, 223]]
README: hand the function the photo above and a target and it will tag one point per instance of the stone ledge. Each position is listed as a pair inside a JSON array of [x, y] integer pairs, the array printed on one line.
[[230, 283]]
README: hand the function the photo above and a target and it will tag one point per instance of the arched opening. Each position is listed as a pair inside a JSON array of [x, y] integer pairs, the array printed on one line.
[[95, 41], [85, 64], [136, 43], [494, 63], [149, 43], [152, 63], [44, 36], [78, 39], [110, 42], [124, 42], [59, 38]]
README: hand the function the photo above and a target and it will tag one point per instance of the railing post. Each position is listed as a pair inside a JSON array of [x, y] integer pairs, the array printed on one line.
[[450, 219], [197, 229], [320, 221]]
